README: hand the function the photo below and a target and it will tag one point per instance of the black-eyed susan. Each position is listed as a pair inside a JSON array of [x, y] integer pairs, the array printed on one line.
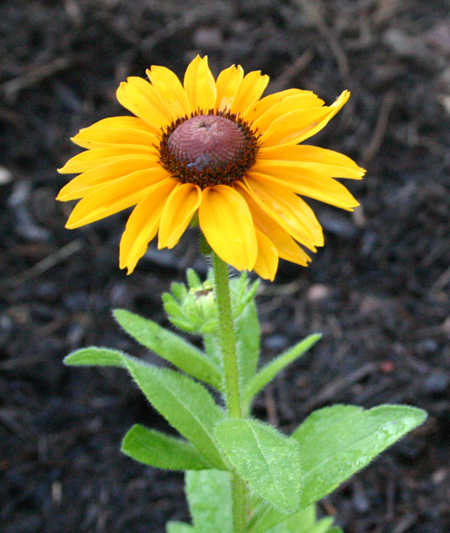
[[213, 151]]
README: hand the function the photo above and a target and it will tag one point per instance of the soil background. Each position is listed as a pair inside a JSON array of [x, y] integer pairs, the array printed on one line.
[[379, 290]]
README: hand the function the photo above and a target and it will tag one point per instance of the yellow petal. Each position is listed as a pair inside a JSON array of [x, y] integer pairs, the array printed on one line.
[[295, 255], [293, 127], [305, 100], [112, 198], [306, 182], [290, 211], [170, 90], [101, 156], [143, 224], [296, 126], [102, 174], [284, 243], [200, 85], [90, 181], [334, 108], [116, 131], [328, 171], [261, 106], [308, 158], [84, 183], [266, 264], [326, 162], [227, 84], [178, 211], [227, 225], [249, 91], [139, 97]]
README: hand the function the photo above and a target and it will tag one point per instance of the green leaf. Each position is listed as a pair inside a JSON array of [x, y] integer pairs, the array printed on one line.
[[174, 313], [322, 526], [179, 290], [170, 347], [95, 356], [157, 449], [335, 530], [184, 403], [248, 341], [212, 348], [269, 371], [338, 441], [267, 460], [242, 293], [179, 527], [209, 497], [298, 522], [304, 521], [295, 523], [193, 280]]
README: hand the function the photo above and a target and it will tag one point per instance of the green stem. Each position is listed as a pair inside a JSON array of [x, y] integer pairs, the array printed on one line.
[[227, 338], [239, 498], [231, 373]]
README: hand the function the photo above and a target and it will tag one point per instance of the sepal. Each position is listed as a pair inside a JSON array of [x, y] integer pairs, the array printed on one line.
[[193, 309]]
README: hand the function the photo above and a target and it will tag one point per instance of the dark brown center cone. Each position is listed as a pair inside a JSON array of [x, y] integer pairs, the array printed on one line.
[[207, 141], [208, 149]]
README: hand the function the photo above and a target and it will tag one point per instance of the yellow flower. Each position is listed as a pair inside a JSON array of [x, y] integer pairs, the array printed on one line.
[[213, 151]]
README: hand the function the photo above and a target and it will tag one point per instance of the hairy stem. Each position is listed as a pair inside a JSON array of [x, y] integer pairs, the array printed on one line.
[[231, 372], [227, 337]]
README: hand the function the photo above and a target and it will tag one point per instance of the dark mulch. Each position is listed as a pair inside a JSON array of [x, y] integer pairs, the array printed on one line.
[[379, 290]]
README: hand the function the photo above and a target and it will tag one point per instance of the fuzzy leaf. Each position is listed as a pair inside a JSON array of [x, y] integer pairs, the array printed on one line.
[[95, 356], [295, 524], [269, 371], [248, 341], [303, 522], [322, 526], [170, 347], [263, 522], [209, 497], [338, 441], [298, 522], [335, 530], [179, 527], [184, 403], [174, 313], [242, 293], [179, 290], [267, 460], [156, 449], [193, 280], [212, 348]]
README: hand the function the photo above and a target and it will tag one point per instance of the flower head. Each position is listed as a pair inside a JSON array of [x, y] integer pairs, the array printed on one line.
[[213, 151]]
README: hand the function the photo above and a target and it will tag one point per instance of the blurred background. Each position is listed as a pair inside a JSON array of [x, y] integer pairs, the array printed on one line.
[[379, 291]]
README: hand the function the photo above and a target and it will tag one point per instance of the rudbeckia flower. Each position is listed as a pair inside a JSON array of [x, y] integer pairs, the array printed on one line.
[[211, 152]]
